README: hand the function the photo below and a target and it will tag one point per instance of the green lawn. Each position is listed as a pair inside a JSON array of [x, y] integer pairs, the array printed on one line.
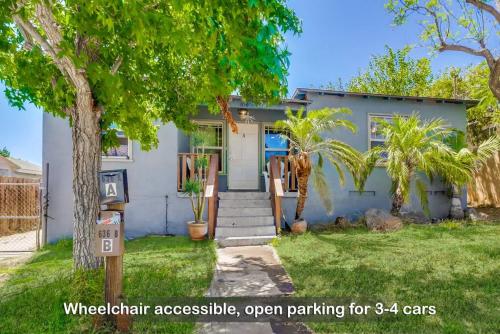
[[454, 266], [31, 301]]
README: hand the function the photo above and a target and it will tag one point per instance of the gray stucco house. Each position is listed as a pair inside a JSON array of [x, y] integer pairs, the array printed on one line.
[[158, 207]]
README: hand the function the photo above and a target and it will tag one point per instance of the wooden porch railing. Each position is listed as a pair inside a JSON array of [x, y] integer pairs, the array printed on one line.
[[289, 177], [212, 194], [186, 170], [276, 190]]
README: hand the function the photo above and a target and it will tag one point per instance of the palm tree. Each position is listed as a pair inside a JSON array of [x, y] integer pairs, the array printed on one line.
[[471, 160], [307, 145], [413, 149]]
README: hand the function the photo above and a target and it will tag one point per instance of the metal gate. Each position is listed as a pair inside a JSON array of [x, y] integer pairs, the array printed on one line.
[[20, 214]]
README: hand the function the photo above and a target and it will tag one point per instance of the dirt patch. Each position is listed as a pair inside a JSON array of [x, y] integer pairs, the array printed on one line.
[[492, 214]]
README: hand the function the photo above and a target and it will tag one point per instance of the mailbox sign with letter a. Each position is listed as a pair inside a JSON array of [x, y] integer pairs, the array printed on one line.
[[113, 186]]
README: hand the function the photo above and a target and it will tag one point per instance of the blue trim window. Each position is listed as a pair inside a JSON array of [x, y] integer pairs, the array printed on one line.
[[274, 143]]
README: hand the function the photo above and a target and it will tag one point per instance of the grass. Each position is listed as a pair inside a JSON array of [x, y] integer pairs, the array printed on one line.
[[31, 301], [454, 266]]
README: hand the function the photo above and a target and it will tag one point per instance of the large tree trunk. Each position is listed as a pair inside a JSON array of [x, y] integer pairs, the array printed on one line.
[[397, 202], [86, 165], [303, 170]]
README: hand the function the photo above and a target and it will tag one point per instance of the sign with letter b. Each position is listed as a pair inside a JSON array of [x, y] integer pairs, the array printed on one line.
[[109, 236]]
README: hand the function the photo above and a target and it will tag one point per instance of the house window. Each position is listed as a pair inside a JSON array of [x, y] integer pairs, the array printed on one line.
[[215, 141], [274, 142], [123, 151], [376, 137]]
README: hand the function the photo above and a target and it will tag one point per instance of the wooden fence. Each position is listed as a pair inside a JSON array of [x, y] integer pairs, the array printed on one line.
[[19, 205], [485, 191]]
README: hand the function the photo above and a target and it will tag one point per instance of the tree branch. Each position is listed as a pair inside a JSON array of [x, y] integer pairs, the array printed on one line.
[[28, 29], [54, 37], [484, 6], [485, 53], [444, 46], [116, 65]]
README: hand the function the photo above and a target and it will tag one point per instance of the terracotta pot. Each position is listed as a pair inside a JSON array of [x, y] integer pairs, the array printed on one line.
[[197, 231], [299, 226]]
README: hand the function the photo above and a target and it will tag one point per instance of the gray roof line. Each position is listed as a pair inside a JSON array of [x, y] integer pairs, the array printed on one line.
[[292, 100], [468, 103]]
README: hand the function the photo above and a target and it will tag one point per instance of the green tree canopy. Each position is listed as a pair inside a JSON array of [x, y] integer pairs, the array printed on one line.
[[393, 73], [470, 83], [144, 60], [132, 63], [4, 152]]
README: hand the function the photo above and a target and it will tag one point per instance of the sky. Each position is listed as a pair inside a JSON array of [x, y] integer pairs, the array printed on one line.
[[338, 39]]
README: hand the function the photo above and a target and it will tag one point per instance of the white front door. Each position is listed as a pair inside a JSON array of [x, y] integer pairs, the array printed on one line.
[[244, 157]]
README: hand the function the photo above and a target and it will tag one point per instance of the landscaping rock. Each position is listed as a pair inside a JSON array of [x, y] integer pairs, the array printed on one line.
[[415, 218], [474, 215], [382, 221], [456, 211], [299, 226], [341, 221]]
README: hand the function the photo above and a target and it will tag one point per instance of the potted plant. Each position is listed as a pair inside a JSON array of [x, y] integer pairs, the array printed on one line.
[[308, 149], [195, 187]]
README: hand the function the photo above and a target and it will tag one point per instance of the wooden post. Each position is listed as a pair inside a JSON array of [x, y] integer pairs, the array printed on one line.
[[113, 285], [278, 214], [39, 220], [212, 193], [114, 265]]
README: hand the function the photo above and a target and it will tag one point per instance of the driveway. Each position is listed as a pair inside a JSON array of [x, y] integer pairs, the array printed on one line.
[[19, 242], [15, 249]]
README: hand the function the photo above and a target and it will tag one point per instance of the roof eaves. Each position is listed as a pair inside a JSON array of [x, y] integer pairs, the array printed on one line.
[[467, 103]]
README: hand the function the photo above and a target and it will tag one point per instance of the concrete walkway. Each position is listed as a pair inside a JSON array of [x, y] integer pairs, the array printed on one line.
[[250, 271]]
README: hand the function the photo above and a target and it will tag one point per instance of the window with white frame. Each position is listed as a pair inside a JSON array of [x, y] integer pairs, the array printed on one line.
[[121, 152], [375, 136], [274, 143], [215, 141]]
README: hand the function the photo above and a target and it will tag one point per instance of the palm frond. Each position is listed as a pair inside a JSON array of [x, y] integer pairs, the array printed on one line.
[[486, 149], [307, 132], [322, 188], [422, 195]]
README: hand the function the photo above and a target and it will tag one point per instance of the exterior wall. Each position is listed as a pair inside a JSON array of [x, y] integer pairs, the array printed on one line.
[[57, 152], [347, 203], [152, 176]]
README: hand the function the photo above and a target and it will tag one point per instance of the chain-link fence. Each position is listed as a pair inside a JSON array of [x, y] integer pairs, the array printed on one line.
[[20, 214]]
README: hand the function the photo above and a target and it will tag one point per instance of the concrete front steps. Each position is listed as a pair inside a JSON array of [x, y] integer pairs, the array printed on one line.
[[244, 219]]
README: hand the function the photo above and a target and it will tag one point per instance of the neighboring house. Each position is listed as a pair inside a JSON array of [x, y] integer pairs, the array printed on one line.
[[155, 178], [19, 168]]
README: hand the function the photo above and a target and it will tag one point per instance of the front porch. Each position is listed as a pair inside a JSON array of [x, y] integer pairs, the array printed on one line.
[[252, 167], [241, 217]]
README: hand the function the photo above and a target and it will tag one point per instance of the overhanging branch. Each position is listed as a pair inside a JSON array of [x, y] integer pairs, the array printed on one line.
[[486, 7]]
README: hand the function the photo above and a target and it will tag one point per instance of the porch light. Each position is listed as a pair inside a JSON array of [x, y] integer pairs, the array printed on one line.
[[245, 116]]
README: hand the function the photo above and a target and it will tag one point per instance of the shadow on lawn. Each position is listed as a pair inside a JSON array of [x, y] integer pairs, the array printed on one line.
[[31, 301], [462, 301], [416, 266]]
